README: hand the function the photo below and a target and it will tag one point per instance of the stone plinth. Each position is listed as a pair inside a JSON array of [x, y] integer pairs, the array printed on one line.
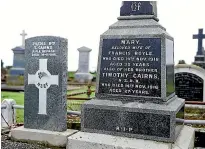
[[160, 122], [83, 74], [84, 140], [45, 137]]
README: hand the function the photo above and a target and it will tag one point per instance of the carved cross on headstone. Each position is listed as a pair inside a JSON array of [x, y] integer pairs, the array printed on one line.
[[23, 34], [43, 80], [200, 36]]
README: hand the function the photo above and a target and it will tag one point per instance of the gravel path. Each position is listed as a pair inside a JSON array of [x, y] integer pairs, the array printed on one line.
[[6, 143]]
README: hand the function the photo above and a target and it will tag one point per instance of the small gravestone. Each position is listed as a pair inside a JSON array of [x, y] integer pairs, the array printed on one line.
[[45, 93], [135, 91], [83, 74], [46, 83], [190, 82]]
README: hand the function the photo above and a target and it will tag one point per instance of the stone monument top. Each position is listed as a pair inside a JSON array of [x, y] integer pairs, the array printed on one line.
[[84, 49], [133, 8], [23, 34]]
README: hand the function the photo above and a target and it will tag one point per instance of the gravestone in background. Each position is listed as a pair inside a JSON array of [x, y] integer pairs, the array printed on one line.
[[46, 83], [83, 74], [200, 55], [16, 73], [135, 93], [190, 82]]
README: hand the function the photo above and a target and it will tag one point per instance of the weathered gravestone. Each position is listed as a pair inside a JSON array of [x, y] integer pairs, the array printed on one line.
[[190, 82], [46, 83], [16, 73], [83, 74], [45, 100], [135, 93]]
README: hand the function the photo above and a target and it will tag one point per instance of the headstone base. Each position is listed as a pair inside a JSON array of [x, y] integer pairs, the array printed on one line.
[[84, 140], [160, 122], [83, 77], [44, 137]]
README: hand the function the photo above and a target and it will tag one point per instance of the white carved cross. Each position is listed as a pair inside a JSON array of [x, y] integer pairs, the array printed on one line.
[[43, 80], [23, 34]]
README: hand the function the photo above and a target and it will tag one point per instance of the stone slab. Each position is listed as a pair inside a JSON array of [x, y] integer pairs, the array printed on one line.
[[44, 137], [161, 122], [83, 140], [45, 83]]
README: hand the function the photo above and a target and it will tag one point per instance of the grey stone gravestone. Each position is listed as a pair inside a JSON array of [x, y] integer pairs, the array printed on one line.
[[135, 93], [46, 83], [18, 67], [83, 74]]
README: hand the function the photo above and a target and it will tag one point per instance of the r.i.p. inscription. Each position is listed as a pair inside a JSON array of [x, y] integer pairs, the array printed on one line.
[[131, 67]]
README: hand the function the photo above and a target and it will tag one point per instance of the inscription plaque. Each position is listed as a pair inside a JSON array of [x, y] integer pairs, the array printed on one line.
[[131, 67], [189, 86]]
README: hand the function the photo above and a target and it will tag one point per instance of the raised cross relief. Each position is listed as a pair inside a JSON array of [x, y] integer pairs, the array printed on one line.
[[43, 80]]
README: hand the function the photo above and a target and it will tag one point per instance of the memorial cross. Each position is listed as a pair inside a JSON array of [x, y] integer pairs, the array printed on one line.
[[200, 36], [23, 34], [43, 80]]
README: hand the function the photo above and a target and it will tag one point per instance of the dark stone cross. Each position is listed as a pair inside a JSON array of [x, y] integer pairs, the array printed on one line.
[[200, 36], [136, 8]]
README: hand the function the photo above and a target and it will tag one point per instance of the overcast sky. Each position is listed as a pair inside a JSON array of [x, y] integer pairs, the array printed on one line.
[[82, 22]]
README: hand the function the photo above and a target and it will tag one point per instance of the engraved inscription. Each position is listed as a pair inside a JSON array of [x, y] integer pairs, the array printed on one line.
[[189, 86], [43, 49], [127, 122], [131, 67]]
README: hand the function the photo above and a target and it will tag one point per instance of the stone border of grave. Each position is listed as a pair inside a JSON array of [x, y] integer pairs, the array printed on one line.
[[192, 69]]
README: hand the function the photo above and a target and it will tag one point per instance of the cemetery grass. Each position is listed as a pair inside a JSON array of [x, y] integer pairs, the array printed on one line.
[[19, 98]]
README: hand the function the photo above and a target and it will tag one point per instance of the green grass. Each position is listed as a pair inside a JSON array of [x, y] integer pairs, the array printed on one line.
[[19, 98], [71, 74]]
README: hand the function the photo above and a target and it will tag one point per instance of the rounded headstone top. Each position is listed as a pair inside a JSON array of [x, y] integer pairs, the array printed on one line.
[[18, 49], [84, 49]]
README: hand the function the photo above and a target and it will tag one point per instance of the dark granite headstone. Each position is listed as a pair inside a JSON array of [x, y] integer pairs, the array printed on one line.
[[46, 83], [189, 86], [129, 8], [135, 91]]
